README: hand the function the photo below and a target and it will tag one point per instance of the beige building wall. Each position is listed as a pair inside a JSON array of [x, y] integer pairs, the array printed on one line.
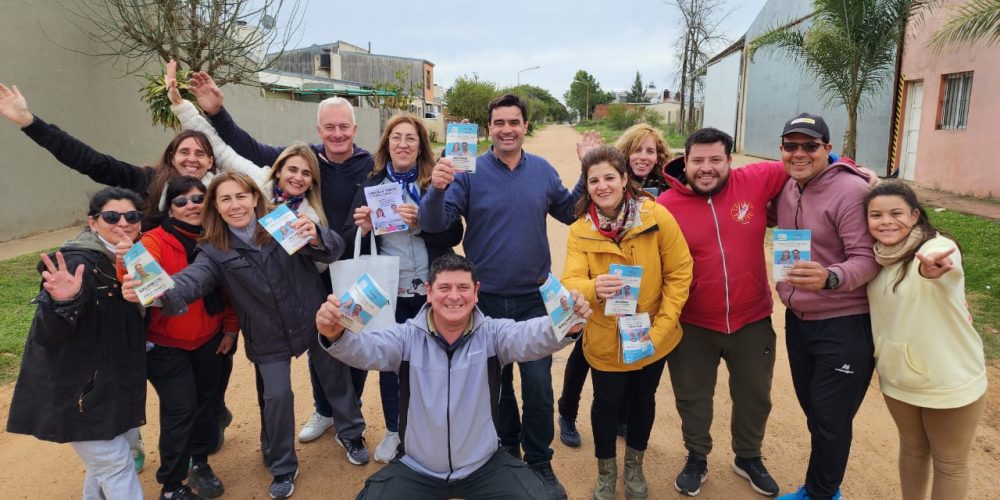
[[90, 99]]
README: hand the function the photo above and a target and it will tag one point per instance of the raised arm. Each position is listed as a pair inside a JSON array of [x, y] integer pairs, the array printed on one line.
[[446, 200], [381, 350], [73, 153], [535, 338], [210, 99], [562, 201]]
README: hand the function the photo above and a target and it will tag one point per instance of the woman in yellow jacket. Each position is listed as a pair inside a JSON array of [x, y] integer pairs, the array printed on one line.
[[618, 223]]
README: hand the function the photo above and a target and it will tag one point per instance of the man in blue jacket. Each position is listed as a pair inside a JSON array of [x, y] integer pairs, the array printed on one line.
[[505, 203], [448, 359]]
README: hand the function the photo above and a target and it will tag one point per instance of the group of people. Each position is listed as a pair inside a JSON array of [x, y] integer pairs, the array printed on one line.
[[882, 289]]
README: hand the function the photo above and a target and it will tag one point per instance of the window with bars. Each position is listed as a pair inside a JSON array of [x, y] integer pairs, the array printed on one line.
[[955, 93]]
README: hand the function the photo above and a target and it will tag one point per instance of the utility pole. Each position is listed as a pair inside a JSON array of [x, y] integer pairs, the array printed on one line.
[[522, 71]]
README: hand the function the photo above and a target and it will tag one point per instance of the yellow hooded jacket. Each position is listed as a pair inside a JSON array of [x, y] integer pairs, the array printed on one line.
[[657, 245]]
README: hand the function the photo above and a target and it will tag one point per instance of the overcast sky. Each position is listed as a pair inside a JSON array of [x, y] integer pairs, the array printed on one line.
[[610, 40]]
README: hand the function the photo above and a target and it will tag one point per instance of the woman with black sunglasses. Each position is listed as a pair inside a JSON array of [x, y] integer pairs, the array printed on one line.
[[184, 360], [188, 153], [83, 373]]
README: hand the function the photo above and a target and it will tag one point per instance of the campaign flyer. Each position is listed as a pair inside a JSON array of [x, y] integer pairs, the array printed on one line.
[[279, 224], [634, 333], [384, 200], [361, 302], [627, 299], [559, 304], [143, 267], [790, 246], [460, 147]]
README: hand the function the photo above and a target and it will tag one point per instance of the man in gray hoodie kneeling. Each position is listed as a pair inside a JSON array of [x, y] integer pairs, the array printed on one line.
[[448, 359]]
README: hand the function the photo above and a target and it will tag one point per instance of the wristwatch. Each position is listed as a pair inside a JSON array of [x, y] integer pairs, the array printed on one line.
[[832, 280]]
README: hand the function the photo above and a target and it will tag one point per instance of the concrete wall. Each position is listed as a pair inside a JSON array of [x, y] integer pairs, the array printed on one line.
[[778, 88], [722, 85], [88, 98], [952, 160]]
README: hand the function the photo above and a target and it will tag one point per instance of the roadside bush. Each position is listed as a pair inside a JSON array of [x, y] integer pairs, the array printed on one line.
[[623, 116]]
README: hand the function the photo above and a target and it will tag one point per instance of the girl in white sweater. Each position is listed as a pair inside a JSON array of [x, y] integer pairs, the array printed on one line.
[[928, 355]]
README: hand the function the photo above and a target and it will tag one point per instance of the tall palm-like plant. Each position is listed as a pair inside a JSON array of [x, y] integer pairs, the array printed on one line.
[[850, 47], [970, 22]]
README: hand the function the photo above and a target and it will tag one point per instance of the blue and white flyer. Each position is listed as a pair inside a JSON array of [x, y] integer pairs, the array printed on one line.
[[279, 224], [790, 246], [361, 302], [559, 304], [627, 299], [142, 266], [384, 201], [634, 332], [460, 147]]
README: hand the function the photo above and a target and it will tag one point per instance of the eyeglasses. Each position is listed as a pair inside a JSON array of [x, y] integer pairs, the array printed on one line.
[[808, 147], [182, 201], [112, 217]]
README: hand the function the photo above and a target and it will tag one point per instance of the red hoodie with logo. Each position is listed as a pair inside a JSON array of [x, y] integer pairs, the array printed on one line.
[[725, 233]]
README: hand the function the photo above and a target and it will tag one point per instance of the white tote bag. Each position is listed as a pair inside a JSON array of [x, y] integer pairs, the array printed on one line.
[[383, 268]]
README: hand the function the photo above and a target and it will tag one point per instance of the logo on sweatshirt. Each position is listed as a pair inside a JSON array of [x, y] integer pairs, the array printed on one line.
[[742, 212]]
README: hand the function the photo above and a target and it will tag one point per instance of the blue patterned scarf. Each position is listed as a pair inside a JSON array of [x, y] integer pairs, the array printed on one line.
[[405, 179], [280, 197]]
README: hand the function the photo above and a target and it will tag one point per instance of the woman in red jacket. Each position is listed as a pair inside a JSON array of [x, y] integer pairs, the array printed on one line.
[[185, 353]]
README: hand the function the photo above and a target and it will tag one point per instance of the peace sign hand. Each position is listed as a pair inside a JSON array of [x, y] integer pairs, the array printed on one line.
[[935, 264], [61, 285]]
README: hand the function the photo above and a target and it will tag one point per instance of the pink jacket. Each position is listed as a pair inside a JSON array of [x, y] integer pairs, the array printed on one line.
[[725, 233], [832, 206]]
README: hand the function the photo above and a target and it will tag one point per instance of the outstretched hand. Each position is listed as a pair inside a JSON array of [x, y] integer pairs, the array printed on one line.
[[443, 174], [326, 319], [591, 139], [208, 93], [14, 107], [60, 284], [934, 264], [581, 308], [171, 81]]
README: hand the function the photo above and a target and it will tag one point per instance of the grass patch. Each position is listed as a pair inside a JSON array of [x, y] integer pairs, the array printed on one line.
[[18, 285], [610, 135], [980, 241]]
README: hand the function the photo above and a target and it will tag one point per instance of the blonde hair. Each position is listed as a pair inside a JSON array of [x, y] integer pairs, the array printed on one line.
[[313, 194], [425, 157], [216, 229], [633, 137]]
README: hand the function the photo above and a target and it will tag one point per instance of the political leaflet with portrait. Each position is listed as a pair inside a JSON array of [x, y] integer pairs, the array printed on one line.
[[634, 333], [790, 246], [143, 267], [279, 224], [384, 201], [559, 304], [462, 139], [361, 302], [627, 299]]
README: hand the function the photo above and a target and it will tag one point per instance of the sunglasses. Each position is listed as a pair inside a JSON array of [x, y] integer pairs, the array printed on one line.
[[112, 217], [181, 201], [808, 147]]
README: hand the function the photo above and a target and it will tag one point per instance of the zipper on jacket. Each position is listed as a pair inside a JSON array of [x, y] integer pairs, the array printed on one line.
[[86, 390], [451, 467], [725, 269]]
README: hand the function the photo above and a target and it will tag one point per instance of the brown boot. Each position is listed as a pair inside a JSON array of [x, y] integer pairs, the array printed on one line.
[[635, 482], [607, 476]]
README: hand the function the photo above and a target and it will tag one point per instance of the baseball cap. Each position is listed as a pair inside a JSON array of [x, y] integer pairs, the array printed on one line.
[[811, 125]]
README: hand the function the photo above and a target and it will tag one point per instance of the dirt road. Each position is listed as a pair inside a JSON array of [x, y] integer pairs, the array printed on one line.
[[33, 469]]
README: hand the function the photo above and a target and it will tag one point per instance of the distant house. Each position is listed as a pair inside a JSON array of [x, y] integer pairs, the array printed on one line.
[[342, 61], [949, 112]]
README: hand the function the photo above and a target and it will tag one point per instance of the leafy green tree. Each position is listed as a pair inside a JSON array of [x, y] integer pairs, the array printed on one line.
[[542, 106], [850, 47], [638, 91], [469, 98], [970, 22], [585, 94]]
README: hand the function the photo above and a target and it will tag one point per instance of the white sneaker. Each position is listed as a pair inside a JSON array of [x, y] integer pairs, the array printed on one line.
[[315, 427], [386, 450]]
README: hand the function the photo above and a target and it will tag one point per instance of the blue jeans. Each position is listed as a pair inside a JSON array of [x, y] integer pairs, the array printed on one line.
[[536, 384]]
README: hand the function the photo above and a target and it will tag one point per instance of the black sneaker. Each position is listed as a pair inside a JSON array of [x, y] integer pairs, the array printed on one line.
[[544, 469], [357, 449], [182, 493], [283, 485], [694, 473], [568, 433], [204, 481], [753, 470]]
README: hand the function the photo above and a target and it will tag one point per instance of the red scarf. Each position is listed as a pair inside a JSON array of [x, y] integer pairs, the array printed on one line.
[[615, 228]]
